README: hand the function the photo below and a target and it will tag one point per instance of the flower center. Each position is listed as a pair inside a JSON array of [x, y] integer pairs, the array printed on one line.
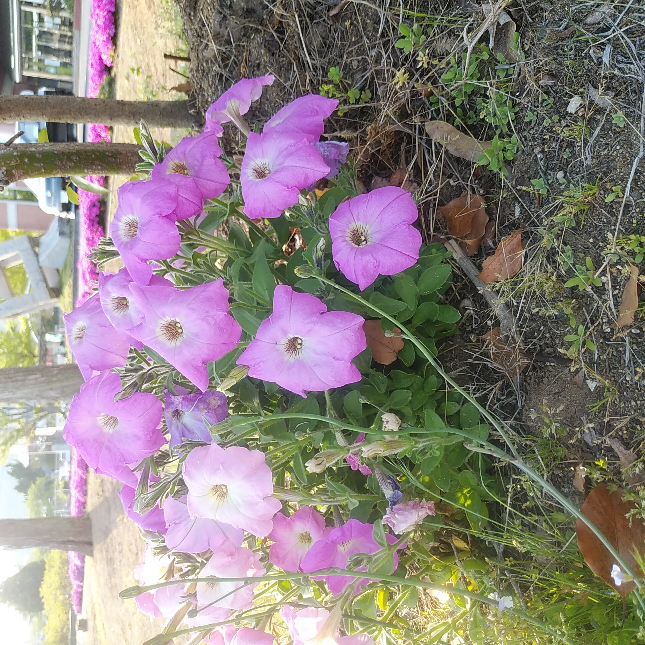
[[219, 492], [179, 168], [108, 423], [261, 169], [344, 546], [130, 227], [120, 305], [292, 346], [305, 538], [171, 331], [79, 332], [177, 415], [358, 235]]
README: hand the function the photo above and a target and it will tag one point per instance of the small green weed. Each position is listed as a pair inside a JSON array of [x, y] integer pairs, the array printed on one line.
[[576, 203], [579, 342], [585, 276], [340, 89], [616, 191], [632, 244], [619, 119], [540, 186], [412, 38], [501, 150]]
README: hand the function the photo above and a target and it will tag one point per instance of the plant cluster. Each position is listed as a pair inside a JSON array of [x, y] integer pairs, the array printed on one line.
[[271, 401], [341, 89]]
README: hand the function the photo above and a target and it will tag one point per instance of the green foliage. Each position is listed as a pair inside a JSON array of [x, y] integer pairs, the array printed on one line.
[[17, 345], [412, 38], [585, 276], [579, 342], [632, 246], [540, 186], [501, 150], [21, 590], [619, 119], [55, 593], [40, 497], [339, 88], [616, 191], [25, 475]]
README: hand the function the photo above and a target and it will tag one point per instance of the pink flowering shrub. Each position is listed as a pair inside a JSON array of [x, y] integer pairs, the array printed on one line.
[[230, 384]]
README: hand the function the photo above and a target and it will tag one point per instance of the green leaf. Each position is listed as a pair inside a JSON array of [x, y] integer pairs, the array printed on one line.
[[404, 29], [83, 184], [352, 404], [237, 235], [467, 479], [247, 321], [214, 218], [401, 379], [432, 419], [42, 136], [449, 408], [282, 229], [425, 311], [378, 533], [299, 469], [399, 398], [433, 278], [468, 416], [407, 291], [388, 305], [263, 280], [447, 314], [379, 381], [441, 475], [72, 195], [136, 133], [407, 354], [432, 461]]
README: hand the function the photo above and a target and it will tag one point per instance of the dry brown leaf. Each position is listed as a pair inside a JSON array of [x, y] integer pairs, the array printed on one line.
[[506, 353], [400, 178], [466, 219], [629, 301], [338, 8], [579, 478], [385, 350], [456, 142], [627, 458], [506, 261], [186, 88], [607, 512]]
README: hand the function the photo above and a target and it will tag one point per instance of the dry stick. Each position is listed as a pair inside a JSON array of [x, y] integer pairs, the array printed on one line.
[[184, 59], [506, 320]]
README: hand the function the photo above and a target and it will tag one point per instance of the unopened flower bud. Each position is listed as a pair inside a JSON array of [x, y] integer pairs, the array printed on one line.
[[304, 271], [383, 448], [319, 252], [323, 459], [391, 422], [235, 375]]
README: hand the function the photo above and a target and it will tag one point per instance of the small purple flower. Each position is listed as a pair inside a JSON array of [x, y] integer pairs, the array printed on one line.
[[275, 168], [372, 234], [144, 227], [304, 117], [194, 534], [194, 166], [407, 516], [153, 520], [235, 102], [333, 153], [188, 416], [110, 435], [96, 345], [188, 327], [355, 462], [301, 346], [336, 549], [293, 536]]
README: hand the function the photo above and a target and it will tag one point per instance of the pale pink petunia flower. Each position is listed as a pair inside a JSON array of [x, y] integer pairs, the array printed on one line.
[[193, 534], [317, 626], [188, 327], [144, 226], [304, 116], [162, 602], [355, 462], [293, 536], [153, 520], [406, 516], [275, 168], [302, 346], [373, 235], [95, 343], [234, 103], [337, 547], [194, 166], [111, 435], [229, 562], [231, 485]]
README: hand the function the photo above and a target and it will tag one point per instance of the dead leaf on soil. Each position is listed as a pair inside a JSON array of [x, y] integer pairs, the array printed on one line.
[[506, 354], [579, 478], [186, 88], [385, 350], [400, 179], [507, 260], [629, 301], [466, 219], [627, 458], [600, 100], [607, 512], [456, 142]]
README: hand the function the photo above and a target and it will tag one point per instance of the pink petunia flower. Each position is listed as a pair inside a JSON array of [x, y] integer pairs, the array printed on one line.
[[333, 153], [229, 562], [355, 462], [193, 534], [96, 345], [372, 235], [316, 625], [336, 549], [405, 516], [164, 601], [194, 166], [188, 416], [188, 327], [227, 635], [232, 485], [110, 434], [304, 116], [234, 103], [275, 168], [153, 520], [144, 227], [302, 346], [293, 536]]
